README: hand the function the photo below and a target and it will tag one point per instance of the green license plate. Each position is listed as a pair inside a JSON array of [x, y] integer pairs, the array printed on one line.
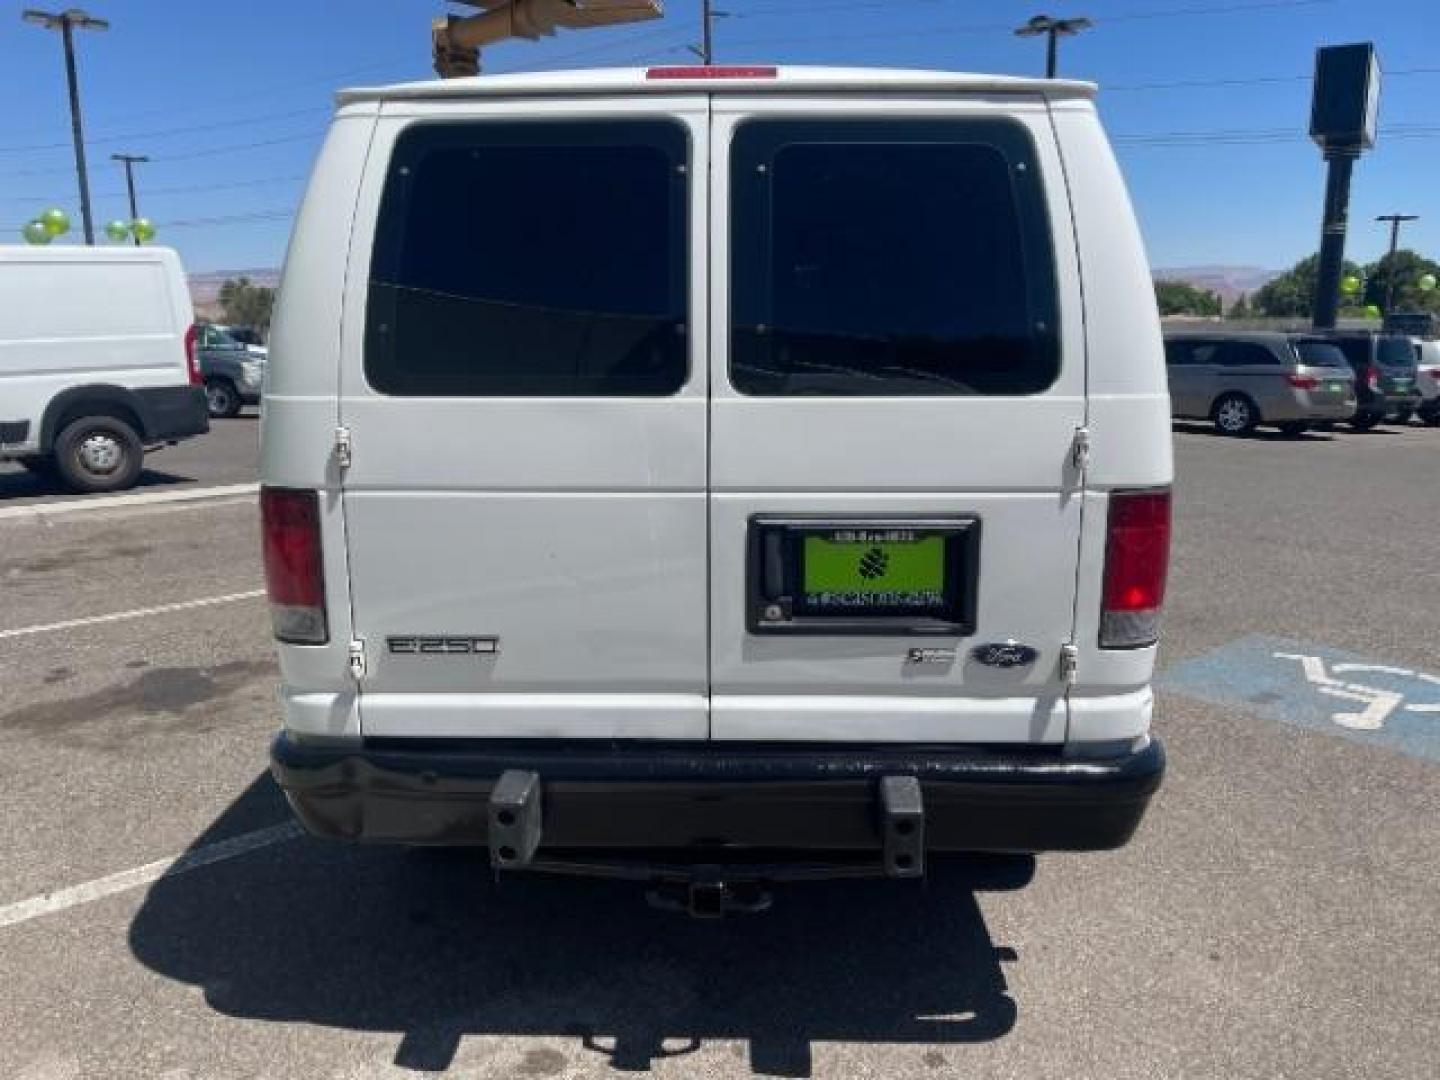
[[864, 569]]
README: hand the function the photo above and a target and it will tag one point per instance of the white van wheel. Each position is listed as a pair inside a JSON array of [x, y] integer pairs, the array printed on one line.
[[1235, 415], [98, 453]]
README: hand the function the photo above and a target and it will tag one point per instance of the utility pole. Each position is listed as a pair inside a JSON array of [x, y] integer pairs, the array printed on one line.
[[1052, 29], [129, 161], [708, 15], [66, 22], [1395, 221]]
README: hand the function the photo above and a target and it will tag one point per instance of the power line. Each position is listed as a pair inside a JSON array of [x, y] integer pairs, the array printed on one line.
[[228, 219], [165, 132], [1229, 9], [182, 189], [1186, 84], [1258, 136], [309, 136]]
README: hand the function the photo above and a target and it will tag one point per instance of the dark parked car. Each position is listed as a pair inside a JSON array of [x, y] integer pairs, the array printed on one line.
[[233, 375], [1385, 377], [1240, 379]]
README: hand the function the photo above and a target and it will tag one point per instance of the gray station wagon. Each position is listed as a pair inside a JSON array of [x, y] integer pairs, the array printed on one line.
[[1241, 380]]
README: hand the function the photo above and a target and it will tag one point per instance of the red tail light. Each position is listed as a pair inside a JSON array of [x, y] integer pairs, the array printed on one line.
[[1303, 382], [713, 71], [1137, 556], [192, 359], [1372, 379], [294, 571]]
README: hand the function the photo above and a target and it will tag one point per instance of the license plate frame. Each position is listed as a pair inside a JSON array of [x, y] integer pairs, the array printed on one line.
[[778, 601]]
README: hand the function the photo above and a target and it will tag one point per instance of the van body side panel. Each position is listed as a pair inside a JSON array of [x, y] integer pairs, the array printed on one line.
[[563, 532], [298, 422], [80, 318], [1129, 413], [1003, 459]]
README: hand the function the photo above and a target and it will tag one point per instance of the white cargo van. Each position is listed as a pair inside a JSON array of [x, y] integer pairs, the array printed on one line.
[[731, 464], [97, 361]]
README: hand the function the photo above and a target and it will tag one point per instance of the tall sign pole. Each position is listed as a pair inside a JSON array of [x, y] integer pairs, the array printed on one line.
[[1343, 110]]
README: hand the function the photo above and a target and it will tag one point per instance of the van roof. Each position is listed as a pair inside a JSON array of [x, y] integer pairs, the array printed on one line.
[[735, 78], [86, 253]]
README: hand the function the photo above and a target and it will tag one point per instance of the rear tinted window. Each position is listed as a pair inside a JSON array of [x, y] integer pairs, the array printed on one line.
[[1396, 352], [537, 259], [889, 258], [1320, 354]]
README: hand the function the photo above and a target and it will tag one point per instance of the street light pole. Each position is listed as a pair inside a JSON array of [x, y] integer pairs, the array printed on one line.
[[1395, 221], [1053, 29], [67, 22], [129, 161]]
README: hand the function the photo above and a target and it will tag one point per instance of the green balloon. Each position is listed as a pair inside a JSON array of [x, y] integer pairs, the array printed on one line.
[[1426, 282], [35, 232], [1372, 311], [144, 229], [56, 221], [1350, 284], [117, 230]]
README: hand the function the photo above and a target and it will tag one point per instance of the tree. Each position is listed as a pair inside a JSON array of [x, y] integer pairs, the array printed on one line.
[[246, 304], [1182, 298], [1292, 294], [1408, 267], [1241, 308]]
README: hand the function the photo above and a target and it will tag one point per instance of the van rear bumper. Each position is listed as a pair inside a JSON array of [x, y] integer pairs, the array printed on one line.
[[172, 412], [707, 795]]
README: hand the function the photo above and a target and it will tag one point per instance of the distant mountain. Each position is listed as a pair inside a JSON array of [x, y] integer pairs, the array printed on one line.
[[1229, 281], [205, 288]]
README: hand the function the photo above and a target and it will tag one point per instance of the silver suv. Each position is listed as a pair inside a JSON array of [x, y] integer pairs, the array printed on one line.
[[1242, 380]]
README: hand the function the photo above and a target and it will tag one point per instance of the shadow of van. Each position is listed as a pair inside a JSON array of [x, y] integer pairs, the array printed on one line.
[[429, 945]]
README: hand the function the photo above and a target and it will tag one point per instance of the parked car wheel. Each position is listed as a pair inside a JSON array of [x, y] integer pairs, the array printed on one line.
[[1431, 416], [1403, 416], [1364, 421], [1235, 414], [98, 453], [1294, 427], [221, 398]]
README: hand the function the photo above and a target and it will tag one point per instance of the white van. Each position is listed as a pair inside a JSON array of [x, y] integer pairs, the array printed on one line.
[[724, 462], [97, 361]]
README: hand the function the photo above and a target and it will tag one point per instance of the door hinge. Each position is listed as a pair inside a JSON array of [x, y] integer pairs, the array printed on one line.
[[357, 660], [344, 448], [1069, 663], [1080, 449]]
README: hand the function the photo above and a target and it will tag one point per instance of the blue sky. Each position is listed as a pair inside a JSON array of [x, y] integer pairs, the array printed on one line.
[[230, 100]]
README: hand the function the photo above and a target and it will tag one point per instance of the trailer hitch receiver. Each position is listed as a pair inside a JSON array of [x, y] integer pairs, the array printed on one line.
[[515, 822]]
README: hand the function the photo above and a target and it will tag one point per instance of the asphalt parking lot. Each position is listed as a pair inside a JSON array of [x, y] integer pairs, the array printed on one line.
[[1278, 914]]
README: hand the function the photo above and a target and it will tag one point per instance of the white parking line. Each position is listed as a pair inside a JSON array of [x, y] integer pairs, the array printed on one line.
[[120, 502], [137, 613], [49, 903]]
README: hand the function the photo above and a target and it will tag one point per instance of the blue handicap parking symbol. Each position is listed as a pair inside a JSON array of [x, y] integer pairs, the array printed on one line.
[[1316, 687]]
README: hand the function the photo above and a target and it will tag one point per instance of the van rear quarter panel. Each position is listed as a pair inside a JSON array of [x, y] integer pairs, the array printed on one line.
[[1128, 415], [298, 422]]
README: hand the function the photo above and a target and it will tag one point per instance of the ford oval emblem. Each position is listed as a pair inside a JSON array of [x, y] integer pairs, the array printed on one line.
[[1005, 654]]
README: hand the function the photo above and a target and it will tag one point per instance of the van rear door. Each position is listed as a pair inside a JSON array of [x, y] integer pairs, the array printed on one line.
[[897, 385], [525, 509]]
